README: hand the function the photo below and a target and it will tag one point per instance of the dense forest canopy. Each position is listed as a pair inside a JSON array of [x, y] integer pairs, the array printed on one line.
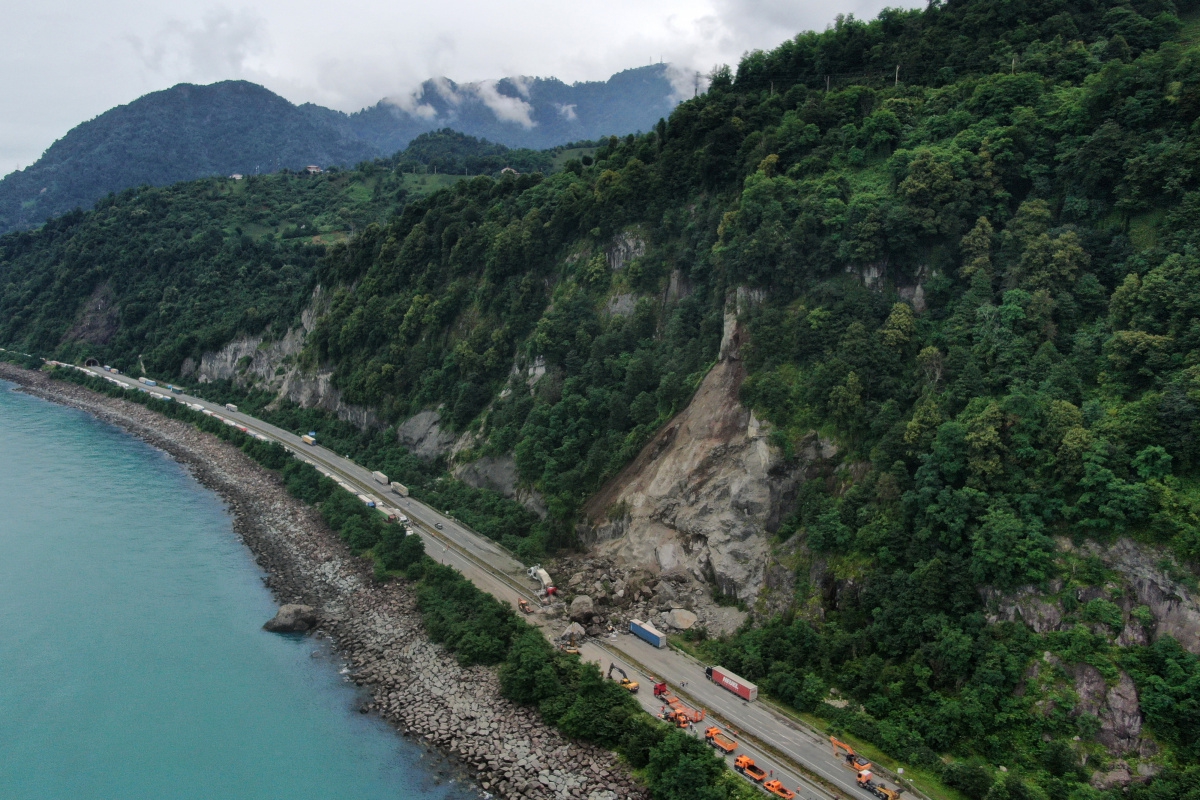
[[980, 279]]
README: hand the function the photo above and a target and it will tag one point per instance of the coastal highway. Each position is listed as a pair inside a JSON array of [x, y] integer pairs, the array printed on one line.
[[776, 742]]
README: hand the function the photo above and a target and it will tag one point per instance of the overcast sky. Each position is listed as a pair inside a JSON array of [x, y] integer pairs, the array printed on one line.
[[66, 61]]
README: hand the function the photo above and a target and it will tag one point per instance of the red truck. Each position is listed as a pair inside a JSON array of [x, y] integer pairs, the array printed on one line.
[[739, 686]]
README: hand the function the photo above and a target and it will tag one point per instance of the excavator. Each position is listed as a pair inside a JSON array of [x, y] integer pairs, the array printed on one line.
[[631, 686], [852, 759]]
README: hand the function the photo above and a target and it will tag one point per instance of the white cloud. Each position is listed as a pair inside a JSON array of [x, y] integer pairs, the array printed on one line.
[[224, 44], [65, 61], [567, 111], [506, 109]]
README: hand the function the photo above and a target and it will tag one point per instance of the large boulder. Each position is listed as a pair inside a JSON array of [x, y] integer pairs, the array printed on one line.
[[582, 608], [293, 618], [681, 619]]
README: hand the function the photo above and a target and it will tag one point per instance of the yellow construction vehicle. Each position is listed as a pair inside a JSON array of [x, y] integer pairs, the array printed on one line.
[[852, 759], [865, 781], [631, 686], [523, 604]]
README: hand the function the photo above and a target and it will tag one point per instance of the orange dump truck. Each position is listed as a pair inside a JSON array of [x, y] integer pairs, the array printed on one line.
[[720, 740], [776, 788], [746, 766]]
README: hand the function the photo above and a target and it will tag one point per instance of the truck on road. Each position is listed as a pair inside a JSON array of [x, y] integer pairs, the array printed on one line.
[[719, 740], [231, 407], [399, 488], [739, 686], [308, 439], [147, 382], [380, 477], [367, 501], [746, 766], [646, 631]]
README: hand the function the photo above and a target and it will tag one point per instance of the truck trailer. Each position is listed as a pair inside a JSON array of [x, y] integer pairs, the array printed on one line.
[[308, 439], [646, 631], [380, 477], [739, 686], [231, 407], [399, 488]]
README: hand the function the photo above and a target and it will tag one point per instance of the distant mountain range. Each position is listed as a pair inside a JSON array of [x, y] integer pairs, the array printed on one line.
[[190, 131]]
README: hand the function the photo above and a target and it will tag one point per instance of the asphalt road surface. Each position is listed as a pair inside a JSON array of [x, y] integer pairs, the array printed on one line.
[[796, 755]]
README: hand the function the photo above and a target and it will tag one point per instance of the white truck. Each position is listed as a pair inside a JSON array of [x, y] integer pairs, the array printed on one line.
[[380, 477], [398, 488]]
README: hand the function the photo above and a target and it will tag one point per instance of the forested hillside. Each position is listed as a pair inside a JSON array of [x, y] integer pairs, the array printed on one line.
[[978, 277], [188, 132]]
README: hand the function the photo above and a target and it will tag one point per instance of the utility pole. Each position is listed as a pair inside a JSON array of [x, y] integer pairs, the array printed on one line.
[[897, 83]]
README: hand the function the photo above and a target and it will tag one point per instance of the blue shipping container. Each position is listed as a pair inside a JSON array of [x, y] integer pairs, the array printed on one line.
[[644, 630]]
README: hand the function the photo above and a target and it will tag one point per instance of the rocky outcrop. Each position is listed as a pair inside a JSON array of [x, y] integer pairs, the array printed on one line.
[[270, 364], [1174, 607], [625, 247], [292, 618], [704, 493], [1027, 604], [1115, 706], [499, 474], [99, 319], [1144, 581], [423, 435]]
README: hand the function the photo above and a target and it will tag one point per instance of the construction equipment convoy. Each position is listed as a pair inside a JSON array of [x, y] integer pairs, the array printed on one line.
[[746, 766], [675, 710], [726, 679], [849, 757], [719, 740], [866, 781], [631, 686]]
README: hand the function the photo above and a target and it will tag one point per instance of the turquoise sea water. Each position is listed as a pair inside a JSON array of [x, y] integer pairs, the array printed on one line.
[[132, 660]]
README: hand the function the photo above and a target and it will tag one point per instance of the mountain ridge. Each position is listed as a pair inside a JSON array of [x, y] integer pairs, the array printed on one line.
[[194, 131]]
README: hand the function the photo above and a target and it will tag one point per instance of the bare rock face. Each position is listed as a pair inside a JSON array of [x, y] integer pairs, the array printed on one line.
[[499, 473], [1175, 608], [99, 320], [293, 618], [1116, 707], [1118, 776], [704, 493], [1025, 604], [270, 365], [423, 435], [582, 609]]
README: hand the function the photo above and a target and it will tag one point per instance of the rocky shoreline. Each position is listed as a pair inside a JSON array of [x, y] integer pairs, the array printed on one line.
[[416, 685]]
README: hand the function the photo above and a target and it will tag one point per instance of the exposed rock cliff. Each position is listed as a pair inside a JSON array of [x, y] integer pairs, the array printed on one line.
[[271, 365], [705, 492], [1143, 582]]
